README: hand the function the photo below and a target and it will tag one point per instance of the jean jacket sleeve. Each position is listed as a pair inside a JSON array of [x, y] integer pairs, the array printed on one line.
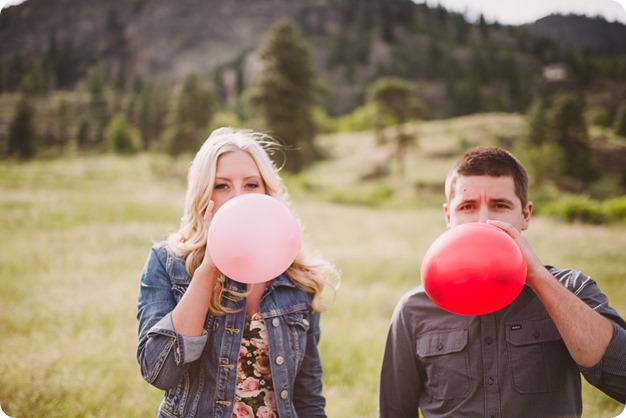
[[400, 378], [308, 399], [163, 355]]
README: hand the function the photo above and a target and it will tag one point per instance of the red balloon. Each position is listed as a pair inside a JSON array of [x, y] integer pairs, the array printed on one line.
[[473, 269], [253, 238]]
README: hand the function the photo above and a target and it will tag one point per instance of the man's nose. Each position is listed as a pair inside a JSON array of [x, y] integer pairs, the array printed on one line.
[[483, 215]]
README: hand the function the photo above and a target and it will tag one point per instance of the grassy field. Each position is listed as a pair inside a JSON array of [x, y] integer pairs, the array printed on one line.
[[76, 233]]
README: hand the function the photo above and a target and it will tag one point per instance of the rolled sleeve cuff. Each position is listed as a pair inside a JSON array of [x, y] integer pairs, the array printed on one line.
[[613, 360], [187, 349]]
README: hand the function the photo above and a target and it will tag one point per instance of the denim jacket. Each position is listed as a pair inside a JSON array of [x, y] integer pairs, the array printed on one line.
[[198, 374]]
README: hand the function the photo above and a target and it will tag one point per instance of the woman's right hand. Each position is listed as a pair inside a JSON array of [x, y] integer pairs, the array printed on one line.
[[207, 262], [189, 315]]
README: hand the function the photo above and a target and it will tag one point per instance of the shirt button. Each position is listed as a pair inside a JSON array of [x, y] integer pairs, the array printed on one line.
[[280, 360], [488, 340], [439, 346], [284, 394], [275, 322], [490, 381]]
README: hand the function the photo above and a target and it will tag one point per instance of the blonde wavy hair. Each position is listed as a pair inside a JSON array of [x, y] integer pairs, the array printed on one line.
[[311, 273]]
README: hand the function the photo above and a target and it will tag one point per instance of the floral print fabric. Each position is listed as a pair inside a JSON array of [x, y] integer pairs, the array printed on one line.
[[254, 395]]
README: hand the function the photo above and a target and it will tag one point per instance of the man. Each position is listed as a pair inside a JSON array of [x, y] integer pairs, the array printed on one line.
[[524, 360]]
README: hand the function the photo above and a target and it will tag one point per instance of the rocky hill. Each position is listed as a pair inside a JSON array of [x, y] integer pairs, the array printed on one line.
[[581, 33], [458, 66]]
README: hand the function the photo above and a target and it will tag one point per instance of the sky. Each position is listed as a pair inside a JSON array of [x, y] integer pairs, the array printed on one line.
[[515, 12]]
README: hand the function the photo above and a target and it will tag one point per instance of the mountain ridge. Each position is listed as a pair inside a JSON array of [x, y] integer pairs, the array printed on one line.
[[353, 42]]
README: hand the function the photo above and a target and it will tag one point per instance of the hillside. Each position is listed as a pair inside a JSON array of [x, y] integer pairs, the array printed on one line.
[[581, 33], [458, 67]]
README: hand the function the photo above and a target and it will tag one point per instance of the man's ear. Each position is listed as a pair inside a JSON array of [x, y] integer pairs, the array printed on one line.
[[446, 213], [527, 213]]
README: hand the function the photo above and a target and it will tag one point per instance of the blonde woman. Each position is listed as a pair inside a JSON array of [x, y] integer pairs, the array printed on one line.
[[217, 347]]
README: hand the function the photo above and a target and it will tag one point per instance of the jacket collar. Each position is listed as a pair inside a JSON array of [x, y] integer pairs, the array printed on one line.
[[282, 280]]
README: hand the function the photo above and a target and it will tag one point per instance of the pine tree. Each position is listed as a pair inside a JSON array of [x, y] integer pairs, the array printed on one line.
[[22, 134], [149, 113], [620, 121], [285, 94], [537, 122], [396, 102], [568, 129], [195, 107]]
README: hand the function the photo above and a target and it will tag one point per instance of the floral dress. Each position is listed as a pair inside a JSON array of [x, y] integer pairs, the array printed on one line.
[[254, 395]]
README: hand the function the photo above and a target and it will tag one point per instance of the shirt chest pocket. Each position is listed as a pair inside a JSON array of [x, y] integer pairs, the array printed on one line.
[[538, 358], [444, 358]]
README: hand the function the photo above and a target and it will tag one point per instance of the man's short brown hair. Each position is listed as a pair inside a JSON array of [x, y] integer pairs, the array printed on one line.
[[489, 161]]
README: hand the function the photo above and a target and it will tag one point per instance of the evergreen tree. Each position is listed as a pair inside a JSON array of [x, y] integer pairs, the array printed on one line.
[[484, 28], [22, 134], [544, 158], [620, 121], [149, 113], [396, 102], [537, 120], [285, 94], [98, 108], [568, 129], [194, 109]]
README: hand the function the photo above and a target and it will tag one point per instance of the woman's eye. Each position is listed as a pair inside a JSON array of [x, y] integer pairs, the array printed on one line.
[[221, 186], [252, 185]]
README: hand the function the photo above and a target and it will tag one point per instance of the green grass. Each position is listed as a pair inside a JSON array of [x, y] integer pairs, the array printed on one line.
[[76, 233]]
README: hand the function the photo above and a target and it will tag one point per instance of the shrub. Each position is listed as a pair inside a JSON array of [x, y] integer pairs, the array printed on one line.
[[615, 208], [372, 197], [121, 137], [598, 116], [577, 208]]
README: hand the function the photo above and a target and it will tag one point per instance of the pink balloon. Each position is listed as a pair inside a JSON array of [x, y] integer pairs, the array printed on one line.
[[253, 238], [473, 269]]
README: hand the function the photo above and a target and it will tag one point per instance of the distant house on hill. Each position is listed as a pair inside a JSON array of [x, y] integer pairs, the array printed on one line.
[[556, 72]]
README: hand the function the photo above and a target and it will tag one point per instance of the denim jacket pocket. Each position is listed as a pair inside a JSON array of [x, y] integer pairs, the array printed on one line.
[[175, 399], [537, 355], [178, 290], [445, 360], [298, 328]]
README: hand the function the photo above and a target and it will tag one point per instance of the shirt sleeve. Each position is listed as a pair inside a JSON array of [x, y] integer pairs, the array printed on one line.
[[400, 381], [609, 375]]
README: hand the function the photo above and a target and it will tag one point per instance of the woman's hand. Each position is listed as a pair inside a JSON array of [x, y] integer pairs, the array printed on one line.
[[207, 266], [190, 313]]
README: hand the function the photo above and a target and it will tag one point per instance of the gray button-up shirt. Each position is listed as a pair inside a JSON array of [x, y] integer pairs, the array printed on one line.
[[507, 364]]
